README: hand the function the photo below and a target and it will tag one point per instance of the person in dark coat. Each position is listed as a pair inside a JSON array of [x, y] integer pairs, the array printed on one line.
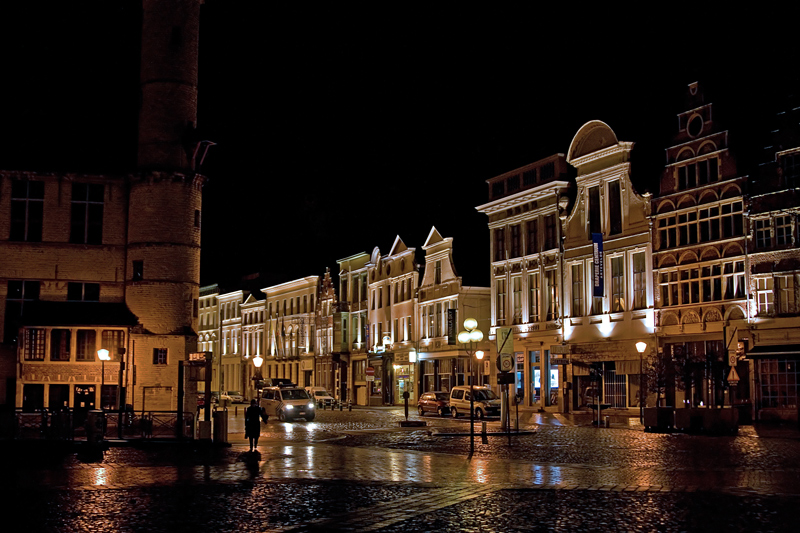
[[252, 423]]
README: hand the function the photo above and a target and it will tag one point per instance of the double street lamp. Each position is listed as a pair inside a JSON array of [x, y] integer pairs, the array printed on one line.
[[470, 338]]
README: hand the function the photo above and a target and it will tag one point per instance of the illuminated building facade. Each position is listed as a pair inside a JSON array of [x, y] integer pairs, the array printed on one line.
[[353, 308], [699, 239], [774, 258], [392, 283], [443, 304], [574, 327], [290, 330], [99, 261]]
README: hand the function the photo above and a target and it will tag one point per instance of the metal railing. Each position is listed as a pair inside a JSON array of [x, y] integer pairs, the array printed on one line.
[[70, 424]]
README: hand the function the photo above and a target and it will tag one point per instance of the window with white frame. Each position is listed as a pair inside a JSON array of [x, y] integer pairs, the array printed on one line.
[[639, 280], [533, 298], [733, 278], [690, 286], [577, 290], [785, 293], [516, 299], [551, 294], [500, 305], [597, 301], [34, 344], [765, 296], [617, 284]]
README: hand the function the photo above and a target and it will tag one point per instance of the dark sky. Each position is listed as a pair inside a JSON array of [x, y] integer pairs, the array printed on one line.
[[338, 128]]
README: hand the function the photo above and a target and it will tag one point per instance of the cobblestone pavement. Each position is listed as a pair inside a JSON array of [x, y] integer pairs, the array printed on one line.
[[356, 471]]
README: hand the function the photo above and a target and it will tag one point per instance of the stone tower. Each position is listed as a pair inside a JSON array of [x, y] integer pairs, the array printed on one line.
[[162, 276]]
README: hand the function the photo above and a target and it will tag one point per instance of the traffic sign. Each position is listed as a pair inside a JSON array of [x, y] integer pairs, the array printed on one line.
[[505, 362], [733, 376]]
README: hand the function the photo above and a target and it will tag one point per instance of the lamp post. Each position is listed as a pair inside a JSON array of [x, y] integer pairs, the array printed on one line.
[[470, 338], [258, 361], [641, 347], [103, 355]]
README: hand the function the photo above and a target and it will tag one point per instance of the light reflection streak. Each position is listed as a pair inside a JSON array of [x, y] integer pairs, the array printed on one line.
[[100, 476]]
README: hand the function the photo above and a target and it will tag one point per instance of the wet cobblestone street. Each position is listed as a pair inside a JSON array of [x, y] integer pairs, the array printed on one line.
[[357, 471]]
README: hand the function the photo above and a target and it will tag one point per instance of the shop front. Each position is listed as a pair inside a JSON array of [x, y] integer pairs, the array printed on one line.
[[404, 376], [776, 379]]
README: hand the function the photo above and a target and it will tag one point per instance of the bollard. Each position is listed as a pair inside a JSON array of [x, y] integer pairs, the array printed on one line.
[[484, 437], [236, 411], [341, 406], [606, 419], [349, 405]]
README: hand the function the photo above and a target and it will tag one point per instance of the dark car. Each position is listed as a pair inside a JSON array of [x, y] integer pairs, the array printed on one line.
[[434, 402]]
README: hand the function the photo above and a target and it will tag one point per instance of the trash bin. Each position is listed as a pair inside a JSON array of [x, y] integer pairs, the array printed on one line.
[[221, 426], [95, 426]]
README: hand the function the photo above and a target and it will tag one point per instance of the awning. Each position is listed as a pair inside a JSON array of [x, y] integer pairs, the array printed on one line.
[[781, 350]]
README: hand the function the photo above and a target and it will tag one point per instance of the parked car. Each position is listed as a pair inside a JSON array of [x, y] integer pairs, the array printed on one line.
[[287, 403], [487, 402], [434, 402], [321, 396], [233, 396]]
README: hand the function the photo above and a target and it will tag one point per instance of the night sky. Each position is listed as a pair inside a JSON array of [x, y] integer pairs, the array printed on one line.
[[338, 128]]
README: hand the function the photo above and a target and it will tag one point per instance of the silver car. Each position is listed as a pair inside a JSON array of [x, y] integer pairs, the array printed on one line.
[[288, 403]]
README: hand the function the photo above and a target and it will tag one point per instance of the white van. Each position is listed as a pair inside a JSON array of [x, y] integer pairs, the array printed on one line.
[[287, 403], [321, 396], [487, 402]]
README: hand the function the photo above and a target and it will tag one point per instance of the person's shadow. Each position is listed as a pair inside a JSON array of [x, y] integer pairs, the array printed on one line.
[[251, 460]]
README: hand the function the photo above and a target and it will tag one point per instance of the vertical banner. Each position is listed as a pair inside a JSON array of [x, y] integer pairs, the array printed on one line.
[[597, 274], [451, 327]]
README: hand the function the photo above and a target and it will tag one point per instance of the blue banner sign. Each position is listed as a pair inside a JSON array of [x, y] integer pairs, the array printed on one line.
[[597, 274]]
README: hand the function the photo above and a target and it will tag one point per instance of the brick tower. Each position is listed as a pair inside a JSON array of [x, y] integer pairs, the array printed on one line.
[[163, 267]]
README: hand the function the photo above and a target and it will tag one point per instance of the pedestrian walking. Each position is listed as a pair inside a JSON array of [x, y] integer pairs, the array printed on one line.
[[252, 423]]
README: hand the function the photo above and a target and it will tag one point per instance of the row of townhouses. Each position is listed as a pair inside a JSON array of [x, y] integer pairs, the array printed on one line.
[[702, 275], [387, 327], [688, 296]]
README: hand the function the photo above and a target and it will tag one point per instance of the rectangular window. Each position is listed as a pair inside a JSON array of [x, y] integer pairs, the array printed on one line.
[[86, 345], [669, 288], [512, 183], [533, 237], [732, 221], [500, 306], [19, 293], [516, 241], [438, 323], [594, 210], [550, 238], [778, 380], [516, 299], [790, 164], [529, 177], [83, 292], [86, 225], [577, 290], [765, 297], [783, 230], [551, 295], [408, 328], [60, 340], [763, 233], [499, 244], [597, 301], [614, 208], [437, 272], [112, 340], [784, 294], [159, 356], [617, 284], [27, 210], [138, 271], [533, 298], [639, 281], [34, 344]]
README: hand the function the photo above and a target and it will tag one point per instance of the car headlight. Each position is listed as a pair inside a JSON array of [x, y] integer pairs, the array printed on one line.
[[289, 407], [311, 405]]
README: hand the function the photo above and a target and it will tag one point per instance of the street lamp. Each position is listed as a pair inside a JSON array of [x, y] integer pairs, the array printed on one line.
[[470, 338], [258, 361], [641, 347], [103, 355]]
